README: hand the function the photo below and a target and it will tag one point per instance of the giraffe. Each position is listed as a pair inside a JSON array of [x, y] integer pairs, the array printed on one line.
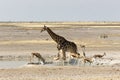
[[38, 55], [63, 45]]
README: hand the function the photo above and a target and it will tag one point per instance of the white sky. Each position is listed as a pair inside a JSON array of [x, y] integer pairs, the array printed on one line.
[[59, 10]]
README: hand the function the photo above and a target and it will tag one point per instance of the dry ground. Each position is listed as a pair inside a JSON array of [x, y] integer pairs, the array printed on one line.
[[60, 73], [24, 38]]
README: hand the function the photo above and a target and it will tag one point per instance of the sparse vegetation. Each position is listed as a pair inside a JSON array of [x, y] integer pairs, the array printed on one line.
[[104, 36]]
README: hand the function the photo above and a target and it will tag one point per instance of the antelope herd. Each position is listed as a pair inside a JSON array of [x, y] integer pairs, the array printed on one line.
[[83, 59]]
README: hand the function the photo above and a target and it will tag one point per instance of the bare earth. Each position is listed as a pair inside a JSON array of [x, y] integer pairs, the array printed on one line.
[[23, 39], [60, 73]]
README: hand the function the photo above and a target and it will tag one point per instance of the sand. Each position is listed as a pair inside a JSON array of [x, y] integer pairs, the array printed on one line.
[[22, 39], [33, 72]]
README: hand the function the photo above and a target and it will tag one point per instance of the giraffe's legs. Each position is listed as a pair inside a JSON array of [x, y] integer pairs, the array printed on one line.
[[58, 56], [63, 55]]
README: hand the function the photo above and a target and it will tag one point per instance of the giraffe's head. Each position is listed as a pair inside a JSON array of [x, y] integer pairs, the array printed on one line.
[[44, 28]]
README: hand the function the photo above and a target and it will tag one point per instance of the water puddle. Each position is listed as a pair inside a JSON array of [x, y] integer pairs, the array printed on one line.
[[5, 63], [12, 64]]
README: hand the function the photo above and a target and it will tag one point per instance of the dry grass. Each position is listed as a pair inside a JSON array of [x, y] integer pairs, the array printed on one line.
[[61, 24], [25, 42]]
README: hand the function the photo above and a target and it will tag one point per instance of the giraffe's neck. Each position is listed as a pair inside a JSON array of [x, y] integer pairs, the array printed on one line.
[[54, 36]]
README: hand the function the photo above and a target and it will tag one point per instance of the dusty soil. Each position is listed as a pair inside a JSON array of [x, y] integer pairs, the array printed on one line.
[[60, 73], [21, 40]]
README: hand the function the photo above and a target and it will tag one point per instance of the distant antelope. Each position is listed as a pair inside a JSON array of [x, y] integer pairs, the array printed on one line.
[[83, 49], [39, 57], [82, 46], [84, 58], [90, 60], [99, 56]]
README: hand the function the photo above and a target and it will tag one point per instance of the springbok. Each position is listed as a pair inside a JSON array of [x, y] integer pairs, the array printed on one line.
[[38, 55], [99, 56]]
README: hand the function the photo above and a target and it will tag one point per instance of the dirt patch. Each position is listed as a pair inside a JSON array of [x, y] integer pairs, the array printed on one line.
[[60, 73]]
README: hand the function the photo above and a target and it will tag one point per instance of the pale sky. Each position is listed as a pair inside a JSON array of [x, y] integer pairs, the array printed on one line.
[[59, 10]]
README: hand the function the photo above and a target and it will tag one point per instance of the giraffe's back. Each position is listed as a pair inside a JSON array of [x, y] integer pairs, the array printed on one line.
[[69, 47]]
